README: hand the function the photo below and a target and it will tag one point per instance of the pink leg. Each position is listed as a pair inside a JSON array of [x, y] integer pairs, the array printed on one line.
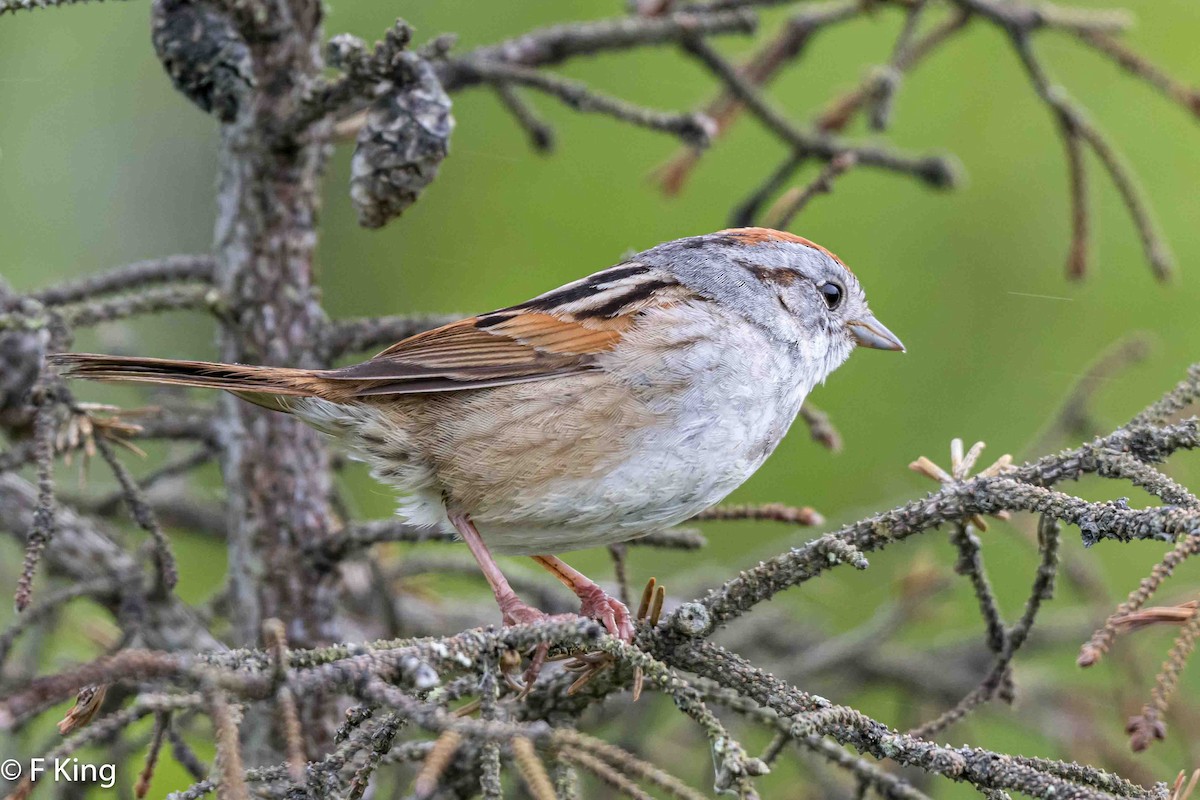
[[596, 603], [513, 609]]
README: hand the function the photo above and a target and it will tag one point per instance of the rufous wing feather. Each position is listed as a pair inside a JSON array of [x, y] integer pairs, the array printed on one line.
[[490, 350]]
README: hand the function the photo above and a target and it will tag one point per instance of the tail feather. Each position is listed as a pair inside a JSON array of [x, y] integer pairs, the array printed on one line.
[[257, 384]]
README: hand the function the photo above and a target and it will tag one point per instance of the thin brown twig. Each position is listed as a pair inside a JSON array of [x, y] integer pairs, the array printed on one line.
[[162, 721], [746, 212], [1102, 639], [532, 770], [1076, 124], [821, 428], [933, 170], [1157, 615], [1077, 183], [772, 512], [888, 78], [167, 570], [539, 132], [605, 772], [1138, 65], [46, 607], [436, 762], [694, 129], [792, 202], [108, 504], [842, 109], [275, 639], [1005, 642], [618, 552], [788, 45], [627, 764], [232, 784], [1149, 725]]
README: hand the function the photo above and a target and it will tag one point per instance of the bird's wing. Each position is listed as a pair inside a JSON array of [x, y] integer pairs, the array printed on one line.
[[559, 333]]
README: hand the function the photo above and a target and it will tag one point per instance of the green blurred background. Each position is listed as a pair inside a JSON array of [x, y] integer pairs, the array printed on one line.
[[102, 163]]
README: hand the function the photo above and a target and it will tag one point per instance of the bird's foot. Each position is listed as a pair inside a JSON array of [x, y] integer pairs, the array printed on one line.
[[588, 665], [516, 612], [609, 611]]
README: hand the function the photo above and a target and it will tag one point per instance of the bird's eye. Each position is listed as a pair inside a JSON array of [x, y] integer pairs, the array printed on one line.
[[832, 294]]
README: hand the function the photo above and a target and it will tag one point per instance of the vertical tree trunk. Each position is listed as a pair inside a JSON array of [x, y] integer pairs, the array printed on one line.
[[276, 470]]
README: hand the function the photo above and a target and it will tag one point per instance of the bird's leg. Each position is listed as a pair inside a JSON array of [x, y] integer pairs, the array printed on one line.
[[513, 609], [597, 604]]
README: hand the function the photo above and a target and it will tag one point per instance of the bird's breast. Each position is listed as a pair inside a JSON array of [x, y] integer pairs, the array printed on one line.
[[723, 395]]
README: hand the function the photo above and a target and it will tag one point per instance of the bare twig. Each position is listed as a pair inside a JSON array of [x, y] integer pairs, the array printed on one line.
[[553, 45], [162, 721], [172, 269], [888, 78], [541, 135], [787, 46], [1137, 65], [1075, 124], [155, 300], [775, 512], [1149, 725], [820, 428], [793, 201], [933, 170], [694, 129], [143, 515], [12, 6]]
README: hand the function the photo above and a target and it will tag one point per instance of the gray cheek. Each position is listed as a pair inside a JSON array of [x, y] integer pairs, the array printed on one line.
[[797, 318]]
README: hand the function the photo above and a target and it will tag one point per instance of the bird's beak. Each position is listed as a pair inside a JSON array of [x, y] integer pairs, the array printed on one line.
[[870, 332]]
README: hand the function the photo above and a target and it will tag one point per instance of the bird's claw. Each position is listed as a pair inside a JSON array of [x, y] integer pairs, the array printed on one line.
[[610, 612], [518, 613], [597, 605]]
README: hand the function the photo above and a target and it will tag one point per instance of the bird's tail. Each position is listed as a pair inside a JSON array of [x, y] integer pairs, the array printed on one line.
[[265, 386]]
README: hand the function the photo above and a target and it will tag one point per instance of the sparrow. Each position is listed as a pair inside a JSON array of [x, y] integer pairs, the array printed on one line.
[[603, 410]]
